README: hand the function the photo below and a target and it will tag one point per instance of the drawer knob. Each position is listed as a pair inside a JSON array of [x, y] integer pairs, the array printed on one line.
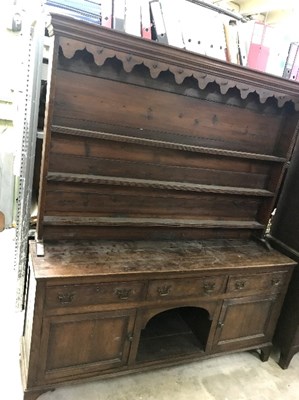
[[208, 287], [123, 294], [65, 298], [164, 290], [275, 281], [239, 285]]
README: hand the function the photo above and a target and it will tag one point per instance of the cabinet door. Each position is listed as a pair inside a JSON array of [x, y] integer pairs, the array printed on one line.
[[245, 322], [81, 345]]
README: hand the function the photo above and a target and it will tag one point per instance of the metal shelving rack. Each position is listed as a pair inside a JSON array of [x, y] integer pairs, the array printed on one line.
[[33, 34]]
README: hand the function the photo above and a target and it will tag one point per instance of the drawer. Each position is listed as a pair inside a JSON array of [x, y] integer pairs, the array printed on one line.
[[257, 282], [177, 288], [92, 294]]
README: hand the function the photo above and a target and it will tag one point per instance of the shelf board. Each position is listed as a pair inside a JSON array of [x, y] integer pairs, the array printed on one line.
[[150, 222], [155, 184], [166, 145]]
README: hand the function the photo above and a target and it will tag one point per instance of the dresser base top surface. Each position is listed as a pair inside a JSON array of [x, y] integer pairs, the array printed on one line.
[[108, 258]]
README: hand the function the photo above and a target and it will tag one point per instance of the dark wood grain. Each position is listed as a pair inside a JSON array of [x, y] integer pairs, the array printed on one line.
[[126, 306], [129, 136], [72, 258], [127, 141], [82, 100], [159, 167]]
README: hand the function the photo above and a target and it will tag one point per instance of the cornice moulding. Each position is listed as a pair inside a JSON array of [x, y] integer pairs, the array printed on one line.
[[104, 43]]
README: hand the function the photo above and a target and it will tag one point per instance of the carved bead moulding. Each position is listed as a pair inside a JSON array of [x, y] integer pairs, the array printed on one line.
[[105, 43]]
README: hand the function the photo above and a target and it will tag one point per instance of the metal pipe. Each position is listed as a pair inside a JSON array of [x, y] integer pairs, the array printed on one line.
[[220, 10]]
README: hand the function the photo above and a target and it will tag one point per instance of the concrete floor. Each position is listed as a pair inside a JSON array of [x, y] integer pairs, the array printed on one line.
[[240, 376]]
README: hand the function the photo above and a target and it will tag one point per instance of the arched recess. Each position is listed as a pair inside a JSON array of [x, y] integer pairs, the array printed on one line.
[[174, 332]]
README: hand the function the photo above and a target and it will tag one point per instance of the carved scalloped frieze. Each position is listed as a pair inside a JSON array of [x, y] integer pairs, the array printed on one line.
[[244, 91], [224, 85], [69, 47], [180, 73], [155, 68], [282, 99], [130, 60]]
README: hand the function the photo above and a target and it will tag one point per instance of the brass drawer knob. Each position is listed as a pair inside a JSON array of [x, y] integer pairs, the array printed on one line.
[[275, 282], [123, 294], [164, 290], [65, 298], [208, 287], [239, 285]]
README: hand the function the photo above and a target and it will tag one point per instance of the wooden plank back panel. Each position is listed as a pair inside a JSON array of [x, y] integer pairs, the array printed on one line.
[[87, 102], [132, 202], [73, 154], [288, 133]]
